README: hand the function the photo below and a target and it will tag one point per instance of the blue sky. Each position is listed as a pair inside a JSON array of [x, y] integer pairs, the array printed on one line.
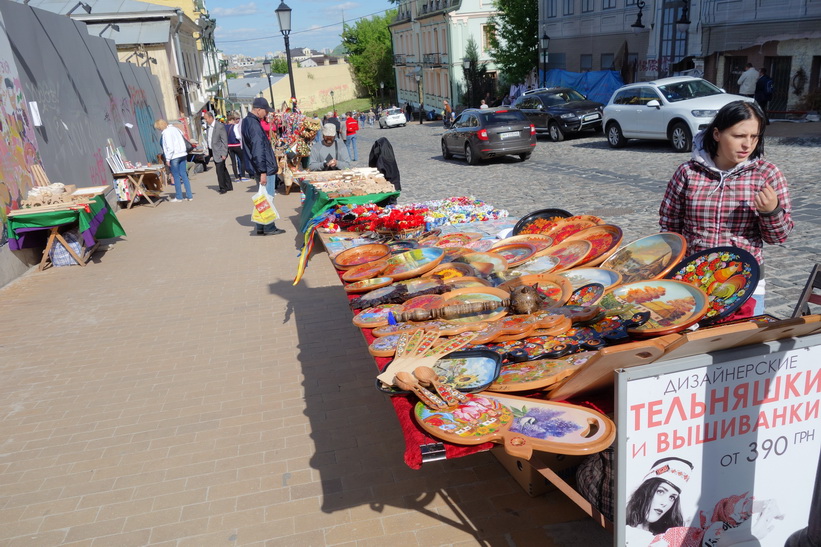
[[251, 27]]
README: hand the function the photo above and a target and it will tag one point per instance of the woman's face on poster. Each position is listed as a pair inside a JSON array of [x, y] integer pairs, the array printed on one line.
[[663, 500]]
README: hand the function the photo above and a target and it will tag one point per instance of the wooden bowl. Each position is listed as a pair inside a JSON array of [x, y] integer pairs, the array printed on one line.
[[361, 254]]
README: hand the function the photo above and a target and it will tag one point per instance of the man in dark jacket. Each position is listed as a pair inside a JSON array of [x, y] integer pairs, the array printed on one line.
[[764, 91], [260, 155], [383, 159]]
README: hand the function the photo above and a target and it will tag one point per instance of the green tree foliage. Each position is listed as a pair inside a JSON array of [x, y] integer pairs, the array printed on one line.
[[370, 51], [279, 66], [515, 44], [475, 76]]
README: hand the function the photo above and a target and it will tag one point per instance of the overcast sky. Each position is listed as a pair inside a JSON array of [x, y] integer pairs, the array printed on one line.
[[251, 27]]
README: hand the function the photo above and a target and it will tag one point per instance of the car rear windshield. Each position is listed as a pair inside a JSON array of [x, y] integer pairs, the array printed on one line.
[[561, 97], [503, 116], [393, 112], [691, 89]]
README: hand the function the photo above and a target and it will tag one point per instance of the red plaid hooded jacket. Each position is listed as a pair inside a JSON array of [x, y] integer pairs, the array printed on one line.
[[711, 208]]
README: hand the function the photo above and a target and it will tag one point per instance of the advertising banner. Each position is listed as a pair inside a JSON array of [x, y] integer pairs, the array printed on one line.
[[718, 455]]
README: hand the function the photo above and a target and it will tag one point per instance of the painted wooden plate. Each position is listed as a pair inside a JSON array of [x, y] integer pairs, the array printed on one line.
[[481, 245], [515, 253], [361, 254], [604, 240], [584, 276], [419, 285], [413, 263], [384, 346], [521, 424], [569, 253], [452, 253], [540, 264], [469, 370], [451, 270], [458, 239], [566, 227], [465, 282], [402, 245], [365, 271], [728, 275], [537, 374], [554, 289], [484, 263], [368, 284], [423, 302], [587, 295], [377, 316], [539, 222], [673, 305], [647, 258], [477, 294], [539, 241]]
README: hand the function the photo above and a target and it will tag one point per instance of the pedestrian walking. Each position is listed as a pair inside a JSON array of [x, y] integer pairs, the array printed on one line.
[[175, 151], [235, 147], [727, 194], [257, 149], [217, 139], [747, 80], [352, 127], [408, 112], [764, 92], [446, 114]]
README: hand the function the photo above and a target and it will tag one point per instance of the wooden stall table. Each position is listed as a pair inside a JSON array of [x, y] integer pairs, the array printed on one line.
[[148, 181], [26, 227]]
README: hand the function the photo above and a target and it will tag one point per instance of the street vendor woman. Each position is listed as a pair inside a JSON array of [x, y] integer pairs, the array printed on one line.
[[327, 154], [727, 194]]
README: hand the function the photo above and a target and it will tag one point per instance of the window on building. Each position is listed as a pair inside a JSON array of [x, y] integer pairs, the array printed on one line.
[[552, 10], [587, 5], [585, 63], [607, 61], [629, 2], [487, 32], [568, 7]]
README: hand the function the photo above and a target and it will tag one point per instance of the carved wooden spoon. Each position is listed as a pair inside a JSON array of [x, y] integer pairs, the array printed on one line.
[[427, 376], [404, 380]]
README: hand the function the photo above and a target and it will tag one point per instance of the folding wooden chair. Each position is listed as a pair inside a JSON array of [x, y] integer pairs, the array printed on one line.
[[807, 295]]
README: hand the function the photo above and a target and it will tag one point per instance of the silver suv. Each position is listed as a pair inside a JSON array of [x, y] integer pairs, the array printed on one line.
[[671, 109]]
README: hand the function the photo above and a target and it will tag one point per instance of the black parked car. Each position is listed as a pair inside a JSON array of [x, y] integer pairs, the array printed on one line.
[[559, 111], [486, 133]]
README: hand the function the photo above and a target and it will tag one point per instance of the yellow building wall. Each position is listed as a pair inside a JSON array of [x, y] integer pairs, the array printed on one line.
[[162, 70], [313, 87]]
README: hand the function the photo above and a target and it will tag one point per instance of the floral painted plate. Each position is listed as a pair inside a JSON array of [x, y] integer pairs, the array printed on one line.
[[604, 240], [539, 241], [648, 258], [588, 295], [413, 263], [569, 253], [458, 239], [515, 253], [481, 245], [567, 227], [673, 305], [451, 270], [584, 276], [361, 254], [539, 222], [377, 316], [368, 284], [728, 275], [537, 374]]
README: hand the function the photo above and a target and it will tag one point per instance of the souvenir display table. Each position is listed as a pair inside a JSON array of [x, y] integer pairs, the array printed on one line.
[[146, 181], [95, 220]]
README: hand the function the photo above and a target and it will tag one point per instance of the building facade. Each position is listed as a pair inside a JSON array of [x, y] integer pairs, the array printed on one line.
[[649, 39], [429, 42]]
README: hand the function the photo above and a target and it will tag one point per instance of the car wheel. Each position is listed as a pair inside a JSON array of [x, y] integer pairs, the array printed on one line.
[[445, 153], [556, 133], [525, 156], [470, 155], [681, 138], [614, 136]]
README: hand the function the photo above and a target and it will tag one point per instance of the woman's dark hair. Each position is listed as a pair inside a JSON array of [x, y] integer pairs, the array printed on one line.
[[731, 114], [640, 503]]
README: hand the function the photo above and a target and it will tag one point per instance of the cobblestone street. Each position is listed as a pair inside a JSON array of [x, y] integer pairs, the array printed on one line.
[[585, 176]]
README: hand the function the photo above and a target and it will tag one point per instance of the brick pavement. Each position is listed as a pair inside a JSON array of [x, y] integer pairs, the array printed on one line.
[[180, 391]]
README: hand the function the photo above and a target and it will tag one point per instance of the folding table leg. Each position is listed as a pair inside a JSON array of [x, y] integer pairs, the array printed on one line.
[[53, 233], [71, 251]]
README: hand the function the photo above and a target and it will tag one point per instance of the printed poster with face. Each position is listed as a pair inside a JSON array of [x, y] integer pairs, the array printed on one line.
[[720, 455]]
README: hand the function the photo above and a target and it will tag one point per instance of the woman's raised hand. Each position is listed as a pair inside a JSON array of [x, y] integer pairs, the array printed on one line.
[[766, 200]]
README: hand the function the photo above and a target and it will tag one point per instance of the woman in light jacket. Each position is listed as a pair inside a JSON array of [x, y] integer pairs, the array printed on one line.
[[175, 151]]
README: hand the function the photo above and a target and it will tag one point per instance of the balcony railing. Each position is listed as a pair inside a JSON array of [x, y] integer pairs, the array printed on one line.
[[399, 59], [435, 59]]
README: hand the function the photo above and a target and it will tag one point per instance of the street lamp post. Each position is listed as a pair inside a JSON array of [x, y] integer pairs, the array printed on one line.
[[418, 78], [381, 92], [266, 66], [545, 43], [284, 17], [333, 103], [466, 64]]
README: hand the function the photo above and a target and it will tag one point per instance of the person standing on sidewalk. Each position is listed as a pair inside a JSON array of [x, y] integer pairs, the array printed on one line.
[[217, 138], [235, 147], [175, 152], [257, 150], [764, 92], [747, 80], [352, 127]]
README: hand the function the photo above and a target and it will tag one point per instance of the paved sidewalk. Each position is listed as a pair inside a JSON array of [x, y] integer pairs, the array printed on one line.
[[180, 391]]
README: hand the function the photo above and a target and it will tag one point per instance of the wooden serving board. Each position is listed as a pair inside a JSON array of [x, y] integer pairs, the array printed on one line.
[[521, 424], [597, 373], [537, 374]]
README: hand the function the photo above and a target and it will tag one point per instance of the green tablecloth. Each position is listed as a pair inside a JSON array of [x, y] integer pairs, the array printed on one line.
[[99, 222], [317, 201]]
